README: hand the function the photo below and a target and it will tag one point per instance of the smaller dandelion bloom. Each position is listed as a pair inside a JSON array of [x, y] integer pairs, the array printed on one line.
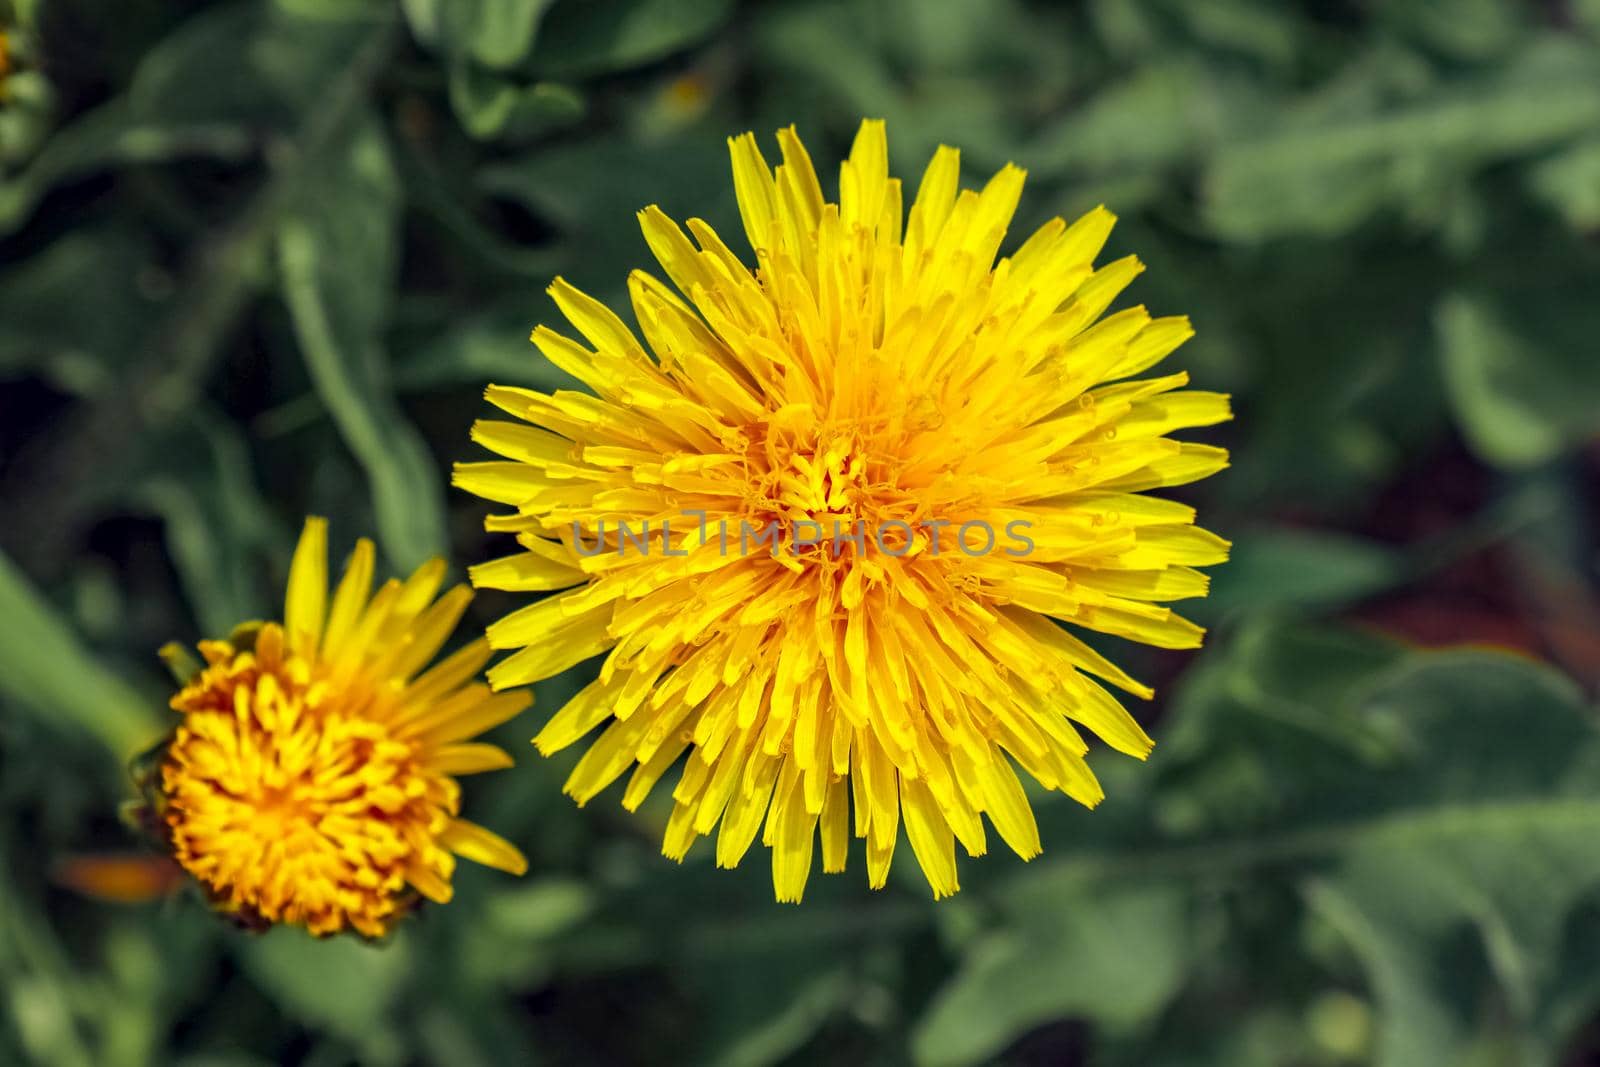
[[312, 780]]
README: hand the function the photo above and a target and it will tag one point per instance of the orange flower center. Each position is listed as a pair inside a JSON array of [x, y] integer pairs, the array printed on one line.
[[292, 802]]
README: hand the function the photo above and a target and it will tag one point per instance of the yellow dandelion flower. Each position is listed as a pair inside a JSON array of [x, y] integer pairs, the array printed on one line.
[[824, 525], [312, 780]]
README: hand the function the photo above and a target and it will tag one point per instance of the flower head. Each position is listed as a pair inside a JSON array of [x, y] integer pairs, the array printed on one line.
[[312, 779], [824, 525]]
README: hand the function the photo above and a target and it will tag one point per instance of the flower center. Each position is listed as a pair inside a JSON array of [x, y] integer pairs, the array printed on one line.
[[291, 805]]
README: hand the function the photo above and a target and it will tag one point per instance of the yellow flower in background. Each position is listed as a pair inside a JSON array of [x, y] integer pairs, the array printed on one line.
[[825, 523], [312, 779]]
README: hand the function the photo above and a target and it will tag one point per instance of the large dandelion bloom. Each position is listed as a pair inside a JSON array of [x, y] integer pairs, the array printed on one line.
[[312, 779], [949, 474]]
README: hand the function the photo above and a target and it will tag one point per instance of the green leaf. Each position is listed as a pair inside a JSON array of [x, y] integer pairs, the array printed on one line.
[[771, 999], [217, 525], [110, 135], [541, 909], [330, 10], [1273, 568], [1154, 118], [1448, 841], [43, 328], [579, 38], [1261, 30], [495, 33], [490, 106], [1524, 383], [1322, 175], [339, 984], [589, 192], [204, 90], [1438, 808], [1112, 953], [44, 669], [950, 36], [337, 252], [775, 1035], [1273, 685], [436, 195], [247, 63], [1493, 849], [1570, 182], [1465, 29], [491, 347], [27, 119]]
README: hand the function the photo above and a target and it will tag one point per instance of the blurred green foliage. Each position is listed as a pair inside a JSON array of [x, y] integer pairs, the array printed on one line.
[[258, 258]]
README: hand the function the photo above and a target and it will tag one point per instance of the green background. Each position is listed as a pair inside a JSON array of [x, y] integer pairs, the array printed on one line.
[[258, 259]]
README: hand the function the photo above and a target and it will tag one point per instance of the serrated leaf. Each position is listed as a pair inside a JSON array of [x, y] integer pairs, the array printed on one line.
[[1421, 801], [1493, 849]]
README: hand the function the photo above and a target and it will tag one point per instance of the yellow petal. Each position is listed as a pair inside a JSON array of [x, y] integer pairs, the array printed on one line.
[[936, 195], [308, 588], [793, 840], [863, 176], [524, 572], [428, 882], [836, 826], [427, 633], [469, 758], [448, 674], [473, 720], [930, 837], [752, 187], [473, 842], [350, 598]]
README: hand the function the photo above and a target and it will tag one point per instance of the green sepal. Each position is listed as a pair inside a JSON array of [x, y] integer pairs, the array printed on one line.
[[181, 663], [243, 637]]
